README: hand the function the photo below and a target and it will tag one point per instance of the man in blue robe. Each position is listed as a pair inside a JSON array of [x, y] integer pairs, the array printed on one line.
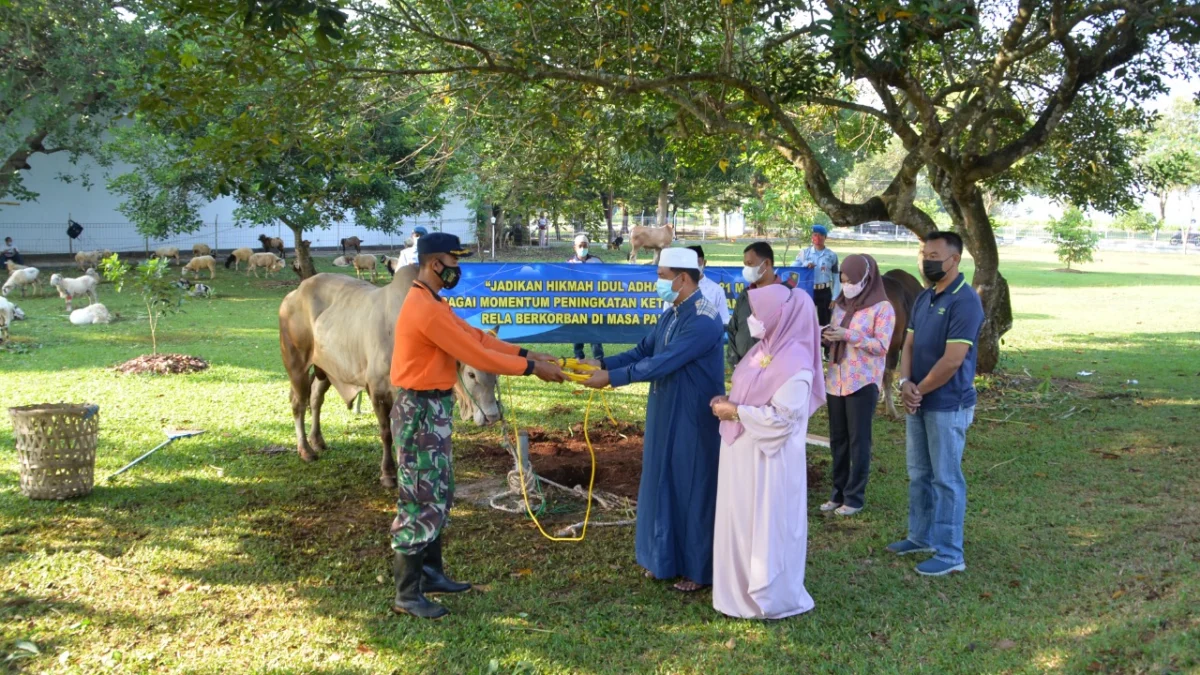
[[682, 362]]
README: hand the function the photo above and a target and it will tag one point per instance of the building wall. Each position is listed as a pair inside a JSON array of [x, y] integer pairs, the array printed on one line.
[[41, 226]]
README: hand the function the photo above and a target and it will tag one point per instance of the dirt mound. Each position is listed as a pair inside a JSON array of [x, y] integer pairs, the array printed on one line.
[[563, 457], [163, 364]]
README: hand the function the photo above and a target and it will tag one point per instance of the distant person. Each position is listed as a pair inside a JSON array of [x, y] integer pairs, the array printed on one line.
[[937, 383], [759, 271], [761, 528], [583, 254], [710, 289], [859, 336], [543, 227], [409, 255], [10, 252], [824, 264]]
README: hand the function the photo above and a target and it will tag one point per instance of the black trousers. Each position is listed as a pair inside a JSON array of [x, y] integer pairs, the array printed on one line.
[[822, 297], [850, 441], [597, 351], [16, 257]]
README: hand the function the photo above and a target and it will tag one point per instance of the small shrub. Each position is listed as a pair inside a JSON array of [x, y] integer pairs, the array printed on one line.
[[1073, 237], [160, 294]]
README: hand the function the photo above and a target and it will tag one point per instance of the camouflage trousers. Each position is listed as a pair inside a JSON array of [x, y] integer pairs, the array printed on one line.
[[425, 473]]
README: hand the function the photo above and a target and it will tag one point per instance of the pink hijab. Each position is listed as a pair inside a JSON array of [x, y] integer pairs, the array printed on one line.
[[792, 343]]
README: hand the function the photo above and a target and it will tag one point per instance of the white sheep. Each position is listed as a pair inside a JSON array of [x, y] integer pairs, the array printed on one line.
[[167, 252], [268, 261], [93, 313], [201, 249], [86, 259], [69, 289], [341, 261], [201, 262], [21, 279], [7, 314]]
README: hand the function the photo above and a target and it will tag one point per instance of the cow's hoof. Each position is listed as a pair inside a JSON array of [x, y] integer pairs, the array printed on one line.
[[308, 455], [317, 443], [388, 482]]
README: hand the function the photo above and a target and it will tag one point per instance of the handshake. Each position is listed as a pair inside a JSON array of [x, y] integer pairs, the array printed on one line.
[[549, 368]]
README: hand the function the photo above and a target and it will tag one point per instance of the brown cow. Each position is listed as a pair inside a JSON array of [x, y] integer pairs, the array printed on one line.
[[653, 238], [337, 331], [902, 290]]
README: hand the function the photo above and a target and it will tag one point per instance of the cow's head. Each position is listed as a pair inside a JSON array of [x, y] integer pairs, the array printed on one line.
[[476, 393]]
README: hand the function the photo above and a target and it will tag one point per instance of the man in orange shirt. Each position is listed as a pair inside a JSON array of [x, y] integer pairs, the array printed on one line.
[[430, 340]]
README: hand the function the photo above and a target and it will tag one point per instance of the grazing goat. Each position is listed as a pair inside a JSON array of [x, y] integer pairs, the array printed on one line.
[[364, 262], [615, 244], [268, 261], [201, 262], [69, 289], [8, 312], [201, 249], [239, 256], [86, 259], [352, 242], [93, 313], [653, 238], [167, 252], [271, 244], [21, 279], [201, 291], [341, 261]]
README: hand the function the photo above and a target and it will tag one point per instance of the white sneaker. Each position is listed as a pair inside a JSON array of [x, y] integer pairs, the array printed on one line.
[[829, 506], [847, 510]]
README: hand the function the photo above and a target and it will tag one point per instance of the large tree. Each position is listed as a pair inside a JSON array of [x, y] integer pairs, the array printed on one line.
[[1171, 162], [67, 69]]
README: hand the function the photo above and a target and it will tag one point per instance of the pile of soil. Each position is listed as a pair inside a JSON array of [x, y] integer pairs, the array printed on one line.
[[563, 457], [163, 364]]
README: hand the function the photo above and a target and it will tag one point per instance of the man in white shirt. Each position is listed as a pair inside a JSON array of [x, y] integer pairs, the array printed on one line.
[[710, 289], [409, 255]]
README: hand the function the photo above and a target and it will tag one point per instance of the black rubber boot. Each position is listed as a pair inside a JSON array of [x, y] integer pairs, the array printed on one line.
[[409, 599], [434, 579]]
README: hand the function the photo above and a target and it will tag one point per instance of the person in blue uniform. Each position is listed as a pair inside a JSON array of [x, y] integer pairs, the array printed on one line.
[[682, 361], [824, 264]]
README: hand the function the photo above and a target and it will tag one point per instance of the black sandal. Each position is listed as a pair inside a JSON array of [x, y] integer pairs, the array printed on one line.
[[698, 587]]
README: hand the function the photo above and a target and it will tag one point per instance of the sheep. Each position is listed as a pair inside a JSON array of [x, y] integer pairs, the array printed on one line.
[[13, 267], [8, 312], [201, 262], [167, 252], [351, 242], [340, 261], [268, 261], [93, 313], [271, 244], [21, 279], [365, 262], [239, 256], [86, 259], [392, 264], [69, 289], [201, 249]]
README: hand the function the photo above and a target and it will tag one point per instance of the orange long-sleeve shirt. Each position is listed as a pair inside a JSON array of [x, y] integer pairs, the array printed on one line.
[[431, 338]]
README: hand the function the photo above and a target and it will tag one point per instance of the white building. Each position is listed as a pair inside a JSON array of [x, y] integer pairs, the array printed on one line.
[[41, 226]]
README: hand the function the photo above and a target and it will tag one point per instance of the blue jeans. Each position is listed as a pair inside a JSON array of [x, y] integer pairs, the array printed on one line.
[[597, 351], [937, 490]]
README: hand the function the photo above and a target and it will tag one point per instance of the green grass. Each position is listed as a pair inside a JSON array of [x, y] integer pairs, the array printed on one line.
[[1082, 530]]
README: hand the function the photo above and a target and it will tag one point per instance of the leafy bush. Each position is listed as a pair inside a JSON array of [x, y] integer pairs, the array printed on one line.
[[160, 294], [1136, 220]]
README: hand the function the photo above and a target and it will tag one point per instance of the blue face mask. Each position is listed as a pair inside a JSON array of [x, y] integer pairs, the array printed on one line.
[[663, 287]]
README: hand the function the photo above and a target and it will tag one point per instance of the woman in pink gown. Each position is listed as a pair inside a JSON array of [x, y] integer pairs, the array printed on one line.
[[761, 536]]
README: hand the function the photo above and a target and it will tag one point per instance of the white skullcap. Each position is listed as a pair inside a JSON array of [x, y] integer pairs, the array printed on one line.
[[679, 258], [581, 239]]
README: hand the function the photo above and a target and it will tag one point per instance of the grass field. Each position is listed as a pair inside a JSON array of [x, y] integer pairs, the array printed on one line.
[[1083, 529]]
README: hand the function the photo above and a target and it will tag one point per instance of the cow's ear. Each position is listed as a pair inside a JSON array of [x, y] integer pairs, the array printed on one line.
[[495, 331]]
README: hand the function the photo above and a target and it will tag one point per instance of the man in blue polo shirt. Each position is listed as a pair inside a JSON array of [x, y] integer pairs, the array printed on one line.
[[937, 382]]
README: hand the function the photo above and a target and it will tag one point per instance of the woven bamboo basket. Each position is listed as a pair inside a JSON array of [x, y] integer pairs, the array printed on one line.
[[56, 448]]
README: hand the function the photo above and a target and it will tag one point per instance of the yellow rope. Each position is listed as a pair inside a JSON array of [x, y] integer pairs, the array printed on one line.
[[567, 364]]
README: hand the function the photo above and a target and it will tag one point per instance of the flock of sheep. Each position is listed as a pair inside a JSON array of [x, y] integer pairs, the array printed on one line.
[[203, 258]]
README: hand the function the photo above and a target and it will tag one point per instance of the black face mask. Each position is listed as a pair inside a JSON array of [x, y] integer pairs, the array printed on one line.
[[449, 276], [932, 269]]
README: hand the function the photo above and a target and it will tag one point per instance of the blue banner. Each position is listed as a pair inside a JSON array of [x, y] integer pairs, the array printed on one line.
[[569, 303]]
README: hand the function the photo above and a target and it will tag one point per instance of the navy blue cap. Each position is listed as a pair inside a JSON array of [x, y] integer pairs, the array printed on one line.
[[821, 230], [441, 242], [421, 229]]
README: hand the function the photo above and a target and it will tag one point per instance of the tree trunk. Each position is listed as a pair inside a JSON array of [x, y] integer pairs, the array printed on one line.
[[970, 217], [554, 219], [306, 268], [624, 219], [664, 189], [606, 202]]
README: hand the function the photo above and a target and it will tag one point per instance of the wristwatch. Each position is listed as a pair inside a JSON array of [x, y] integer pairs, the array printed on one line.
[[903, 380]]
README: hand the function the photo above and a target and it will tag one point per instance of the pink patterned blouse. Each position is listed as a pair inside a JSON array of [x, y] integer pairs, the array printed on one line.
[[867, 340]]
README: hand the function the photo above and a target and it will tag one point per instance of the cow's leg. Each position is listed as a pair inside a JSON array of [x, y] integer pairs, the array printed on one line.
[[297, 369], [320, 385], [888, 396], [633, 254], [382, 402]]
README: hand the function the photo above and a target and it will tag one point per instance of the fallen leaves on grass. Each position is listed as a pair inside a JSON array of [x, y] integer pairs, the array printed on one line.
[[1005, 645], [163, 364]]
